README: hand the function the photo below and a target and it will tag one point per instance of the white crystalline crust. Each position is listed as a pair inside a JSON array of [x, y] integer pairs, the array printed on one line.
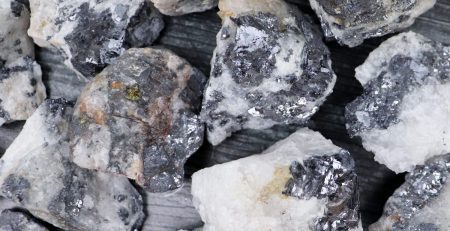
[[246, 194], [424, 127], [14, 48], [180, 7], [47, 32], [389, 23]]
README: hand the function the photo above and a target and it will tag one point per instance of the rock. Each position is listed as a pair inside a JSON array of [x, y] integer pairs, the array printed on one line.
[[180, 7], [139, 118], [303, 182], [422, 202], [402, 115], [17, 221], [37, 174], [92, 34], [350, 22], [21, 87], [269, 67]]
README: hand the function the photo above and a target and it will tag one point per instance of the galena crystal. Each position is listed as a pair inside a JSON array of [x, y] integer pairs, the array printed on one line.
[[303, 182], [139, 118], [350, 22], [180, 7], [37, 174], [402, 115], [21, 87], [91, 34], [269, 67], [422, 202]]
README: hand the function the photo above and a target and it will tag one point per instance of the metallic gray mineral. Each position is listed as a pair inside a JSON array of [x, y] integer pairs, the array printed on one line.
[[11, 220], [270, 67], [138, 118], [402, 115], [91, 34], [422, 202], [37, 174], [350, 22], [21, 87], [180, 7]]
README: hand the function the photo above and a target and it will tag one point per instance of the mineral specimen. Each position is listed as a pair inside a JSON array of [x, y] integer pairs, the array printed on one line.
[[91, 34], [180, 7], [36, 173], [139, 118], [422, 202], [350, 22], [17, 221], [301, 183], [402, 115], [270, 67], [21, 87]]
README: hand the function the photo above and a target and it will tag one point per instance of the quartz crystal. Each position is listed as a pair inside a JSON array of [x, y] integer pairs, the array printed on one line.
[[269, 67], [303, 182], [180, 7], [422, 203], [402, 115], [91, 34], [17, 221], [37, 174], [350, 22], [139, 118], [21, 87]]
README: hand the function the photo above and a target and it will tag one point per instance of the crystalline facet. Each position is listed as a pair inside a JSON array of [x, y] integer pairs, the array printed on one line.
[[403, 113]]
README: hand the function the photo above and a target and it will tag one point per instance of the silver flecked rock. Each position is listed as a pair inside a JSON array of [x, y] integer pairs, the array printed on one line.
[[350, 22], [181, 7], [138, 118], [11, 220], [37, 174], [270, 67]]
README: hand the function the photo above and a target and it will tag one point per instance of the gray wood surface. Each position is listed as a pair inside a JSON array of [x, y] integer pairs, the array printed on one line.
[[193, 37]]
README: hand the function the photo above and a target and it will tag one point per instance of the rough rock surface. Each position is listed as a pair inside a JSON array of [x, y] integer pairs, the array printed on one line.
[[21, 87], [303, 182], [17, 221], [36, 173], [422, 202], [180, 7], [350, 22], [91, 34], [402, 115], [269, 67], [138, 118]]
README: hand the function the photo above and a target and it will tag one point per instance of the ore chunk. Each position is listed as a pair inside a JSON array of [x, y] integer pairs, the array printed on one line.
[[402, 115], [21, 87], [138, 118], [180, 7], [17, 221], [91, 34], [36, 173], [303, 182], [270, 67], [422, 202], [350, 22]]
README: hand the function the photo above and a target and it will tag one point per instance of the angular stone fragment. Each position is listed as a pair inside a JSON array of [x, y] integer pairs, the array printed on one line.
[[139, 118], [350, 22], [91, 34], [180, 7], [18, 221], [402, 115], [422, 203], [303, 182], [21, 87], [269, 67], [36, 173]]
